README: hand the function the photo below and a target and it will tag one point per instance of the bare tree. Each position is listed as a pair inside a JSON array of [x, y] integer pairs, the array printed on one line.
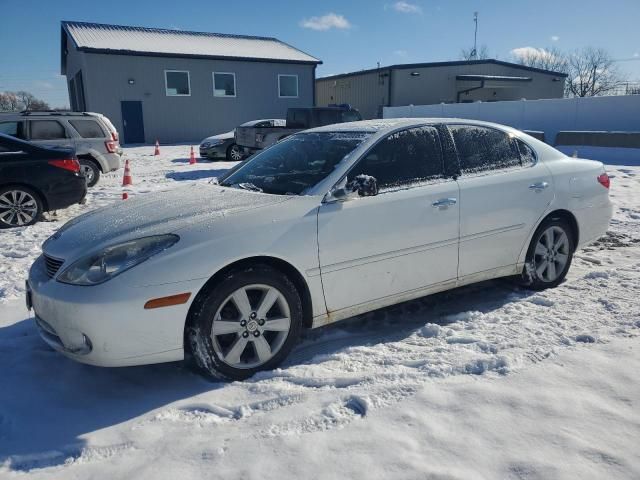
[[591, 72], [469, 54], [16, 101], [544, 58], [9, 102]]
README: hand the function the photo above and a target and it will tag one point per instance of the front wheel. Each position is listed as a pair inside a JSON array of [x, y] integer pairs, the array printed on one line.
[[549, 255], [234, 153], [248, 322]]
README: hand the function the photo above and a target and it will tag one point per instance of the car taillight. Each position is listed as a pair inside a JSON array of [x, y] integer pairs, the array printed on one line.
[[604, 180], [114, 136], [70, 164], [111, 146]]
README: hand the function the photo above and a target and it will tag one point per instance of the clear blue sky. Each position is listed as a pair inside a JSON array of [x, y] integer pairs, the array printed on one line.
[[360, 33]]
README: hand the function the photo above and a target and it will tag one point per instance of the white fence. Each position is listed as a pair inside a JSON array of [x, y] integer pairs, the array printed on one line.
[[616, 113]]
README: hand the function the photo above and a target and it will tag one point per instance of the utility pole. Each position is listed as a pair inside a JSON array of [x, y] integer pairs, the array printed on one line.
[[474, 53]]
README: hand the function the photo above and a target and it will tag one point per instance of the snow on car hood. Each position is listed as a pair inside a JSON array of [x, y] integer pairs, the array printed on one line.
[[222, 136], [152, 214]]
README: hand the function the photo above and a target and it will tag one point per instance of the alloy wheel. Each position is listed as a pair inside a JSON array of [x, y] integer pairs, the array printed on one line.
[[551, 254], [236, 154], [250, 326], [87, 172], [17, 208]]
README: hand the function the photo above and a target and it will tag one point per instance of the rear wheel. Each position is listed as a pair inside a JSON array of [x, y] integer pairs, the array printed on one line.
[[234, 153], [90, 170], [549, 255], [19, 207], [249, 322]]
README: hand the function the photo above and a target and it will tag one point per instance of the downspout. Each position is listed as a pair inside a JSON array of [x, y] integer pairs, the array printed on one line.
[[314, 85], [469, 90], [389, 93]]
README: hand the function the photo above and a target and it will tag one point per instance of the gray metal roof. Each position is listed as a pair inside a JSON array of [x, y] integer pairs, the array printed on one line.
[[118, 39]]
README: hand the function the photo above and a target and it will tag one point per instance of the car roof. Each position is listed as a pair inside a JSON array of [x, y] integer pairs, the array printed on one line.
[[254, 122], [389, 124]]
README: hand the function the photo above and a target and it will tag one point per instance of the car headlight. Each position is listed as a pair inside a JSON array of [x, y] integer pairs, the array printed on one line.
[[111, 261], [205, 145]]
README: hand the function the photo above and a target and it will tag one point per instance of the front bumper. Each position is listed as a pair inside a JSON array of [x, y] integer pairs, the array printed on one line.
[[107, 325]]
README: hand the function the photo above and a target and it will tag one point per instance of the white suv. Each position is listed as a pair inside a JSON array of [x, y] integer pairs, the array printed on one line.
[[91, 134]]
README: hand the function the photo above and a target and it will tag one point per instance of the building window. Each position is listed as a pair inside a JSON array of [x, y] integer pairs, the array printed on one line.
[[288, 86], [177, 83], [224, 84]]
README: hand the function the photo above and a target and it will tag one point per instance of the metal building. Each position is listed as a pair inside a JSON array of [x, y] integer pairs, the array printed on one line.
[[440, 82], [176, 86]]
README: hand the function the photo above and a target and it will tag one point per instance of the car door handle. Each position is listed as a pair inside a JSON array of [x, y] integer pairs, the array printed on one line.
[[538, 186], [444, 202]]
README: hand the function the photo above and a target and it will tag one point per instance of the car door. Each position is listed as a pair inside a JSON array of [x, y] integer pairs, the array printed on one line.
[[50, 133], [503, 193], [380, 249]]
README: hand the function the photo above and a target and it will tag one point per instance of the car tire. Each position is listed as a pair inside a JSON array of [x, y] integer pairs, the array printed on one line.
[[12, 197], [231, 336], [549, 255], [234, 153], [90, 169]]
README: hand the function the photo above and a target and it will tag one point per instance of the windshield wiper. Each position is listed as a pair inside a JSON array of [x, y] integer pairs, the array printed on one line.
[[247, 186]]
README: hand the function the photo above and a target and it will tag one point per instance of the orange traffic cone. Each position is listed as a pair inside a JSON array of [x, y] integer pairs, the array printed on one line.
[[126, 179], [192, 157], [157, 150]]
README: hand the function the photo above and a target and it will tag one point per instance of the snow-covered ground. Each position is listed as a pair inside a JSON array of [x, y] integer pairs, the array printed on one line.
[[487, 381]]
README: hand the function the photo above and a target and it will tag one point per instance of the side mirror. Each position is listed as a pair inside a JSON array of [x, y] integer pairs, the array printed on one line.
[[360, 186], [365, 185]]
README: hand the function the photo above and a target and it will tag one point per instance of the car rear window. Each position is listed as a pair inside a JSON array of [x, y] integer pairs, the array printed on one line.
[[88, 128]]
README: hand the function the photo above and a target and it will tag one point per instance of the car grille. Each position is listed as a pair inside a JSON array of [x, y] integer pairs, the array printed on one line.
[[52, 265]]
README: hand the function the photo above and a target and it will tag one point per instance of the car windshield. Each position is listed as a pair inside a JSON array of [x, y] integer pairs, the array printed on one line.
[[295, 164]]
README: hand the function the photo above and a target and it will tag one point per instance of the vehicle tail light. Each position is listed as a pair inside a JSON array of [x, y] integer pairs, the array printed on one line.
[[70, 164], [111, 145], [604, 180], [114, 136]]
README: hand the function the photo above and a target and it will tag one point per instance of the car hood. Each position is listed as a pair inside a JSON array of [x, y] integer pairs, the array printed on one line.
[[153, 214], [222, 136]]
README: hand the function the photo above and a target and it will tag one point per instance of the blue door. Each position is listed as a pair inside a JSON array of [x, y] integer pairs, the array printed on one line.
[[132, 121]]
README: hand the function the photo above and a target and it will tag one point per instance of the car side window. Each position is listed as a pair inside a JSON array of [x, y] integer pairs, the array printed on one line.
[[46, 130], [88, 128], [482, 149], [403, 158], [15, 129], [527, 155]]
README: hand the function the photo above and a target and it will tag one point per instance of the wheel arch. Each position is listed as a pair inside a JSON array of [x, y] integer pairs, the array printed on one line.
[[88, 156], [34, 189], [559, 213], [282, 266], [570, 218]]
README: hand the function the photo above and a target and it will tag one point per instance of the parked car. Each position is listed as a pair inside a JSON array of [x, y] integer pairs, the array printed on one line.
[[224, 145], [92, 135], [252, 138], [326, 224], [35, 179]]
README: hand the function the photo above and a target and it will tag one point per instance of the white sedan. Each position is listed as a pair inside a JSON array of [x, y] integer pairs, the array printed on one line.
[[327, 224]]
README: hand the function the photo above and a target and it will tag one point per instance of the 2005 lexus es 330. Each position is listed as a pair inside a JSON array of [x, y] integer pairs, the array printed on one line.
[[326, 224]]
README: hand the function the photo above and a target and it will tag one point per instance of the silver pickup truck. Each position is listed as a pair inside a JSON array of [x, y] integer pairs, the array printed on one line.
[[255, 138]]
